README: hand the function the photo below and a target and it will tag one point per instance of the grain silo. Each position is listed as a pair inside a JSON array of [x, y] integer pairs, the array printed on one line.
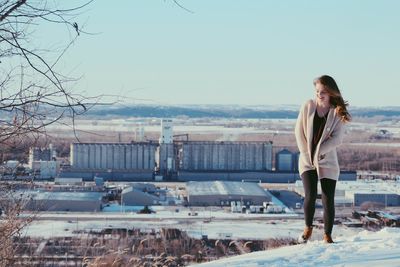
[[284, 160], [112, 161], [113, 156], [225, 156]]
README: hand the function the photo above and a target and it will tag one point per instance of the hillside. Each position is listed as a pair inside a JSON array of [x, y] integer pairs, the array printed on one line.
[[221, 111], [366, 248]]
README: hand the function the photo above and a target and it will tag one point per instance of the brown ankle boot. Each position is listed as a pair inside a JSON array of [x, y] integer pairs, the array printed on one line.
[[328, 238], [306, 234]]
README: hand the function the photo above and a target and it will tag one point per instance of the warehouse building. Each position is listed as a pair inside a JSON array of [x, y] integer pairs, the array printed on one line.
[[385, 198], [355, 193], [225, 156], [140, 195], [348, 176], [63, 201], [41, 154], [222, 193], [248, 176], [45, 169], [240, 176]]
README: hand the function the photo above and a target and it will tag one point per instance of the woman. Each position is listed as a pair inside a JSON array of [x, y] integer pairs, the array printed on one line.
[[319, 130]]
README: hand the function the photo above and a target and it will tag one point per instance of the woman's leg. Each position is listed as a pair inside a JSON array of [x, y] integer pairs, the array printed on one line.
[[310, 182], [328, 200]]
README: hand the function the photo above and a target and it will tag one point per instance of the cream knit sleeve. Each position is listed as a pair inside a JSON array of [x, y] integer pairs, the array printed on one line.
[[300, 129]]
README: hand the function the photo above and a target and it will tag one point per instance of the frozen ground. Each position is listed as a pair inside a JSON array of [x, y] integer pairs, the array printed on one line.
[[208, 221], [216, 126], [237, 229], [358, 249], [353, 247]]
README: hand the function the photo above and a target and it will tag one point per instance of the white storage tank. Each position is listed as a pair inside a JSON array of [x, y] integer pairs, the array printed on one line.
[[166, 132]]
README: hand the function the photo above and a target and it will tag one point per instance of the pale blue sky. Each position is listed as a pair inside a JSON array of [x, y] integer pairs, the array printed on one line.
[[238, 52]]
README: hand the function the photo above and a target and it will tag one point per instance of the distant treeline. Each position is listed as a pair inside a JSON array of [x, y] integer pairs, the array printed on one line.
[[223, 112], [217, 111]]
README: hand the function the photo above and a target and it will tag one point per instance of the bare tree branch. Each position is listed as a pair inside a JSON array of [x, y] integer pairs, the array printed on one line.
[[33, 94], [181, 6], [12, 9]]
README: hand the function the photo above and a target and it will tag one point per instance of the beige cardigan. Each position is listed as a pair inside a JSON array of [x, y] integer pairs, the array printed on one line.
[[325, 157]]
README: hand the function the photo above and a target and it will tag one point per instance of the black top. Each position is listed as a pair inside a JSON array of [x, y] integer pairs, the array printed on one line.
[[318, 128]]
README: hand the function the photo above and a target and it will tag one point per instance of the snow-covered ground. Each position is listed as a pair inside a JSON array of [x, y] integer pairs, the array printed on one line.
[[210, 221], [237, 229], [214, 224], [188, 125], [360, 249], [353, 247]]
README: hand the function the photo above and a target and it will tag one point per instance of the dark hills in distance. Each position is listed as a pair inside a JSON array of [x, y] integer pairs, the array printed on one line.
[[225, 111]]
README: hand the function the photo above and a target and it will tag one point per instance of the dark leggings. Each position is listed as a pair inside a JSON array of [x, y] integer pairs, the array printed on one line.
[[310, 183]]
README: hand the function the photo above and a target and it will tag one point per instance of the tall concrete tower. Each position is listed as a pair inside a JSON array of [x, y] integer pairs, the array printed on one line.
[[166, 160], [53, 152], [166, 132], [139, 133]]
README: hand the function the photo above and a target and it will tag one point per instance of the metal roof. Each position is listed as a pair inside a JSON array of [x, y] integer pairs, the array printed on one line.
[[70, 196], [224, 188]]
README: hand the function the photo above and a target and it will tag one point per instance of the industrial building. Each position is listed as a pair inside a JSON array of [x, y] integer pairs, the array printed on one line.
[[241, 176], [135, 161], [355, 193], [225, 156], [140, 195], [45, 169], [113, 156], [166, 156], [68, 181], [348, 176], [63, 201], [166, 159], [222, 193], [385, 198], [287, 161], [249, 176], [42, 162], [166, 132], [173, 160], [284, 161], [112, 161], [377, 191], [41, 154]]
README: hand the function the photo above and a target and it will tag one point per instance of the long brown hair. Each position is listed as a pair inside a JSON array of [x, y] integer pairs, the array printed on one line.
[[335, 97]]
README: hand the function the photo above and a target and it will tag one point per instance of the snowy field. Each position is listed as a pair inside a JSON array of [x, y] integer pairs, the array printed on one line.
[[353, 247], [210, 221], [357, 250], [216, 126], [191, 126], [256, 229]]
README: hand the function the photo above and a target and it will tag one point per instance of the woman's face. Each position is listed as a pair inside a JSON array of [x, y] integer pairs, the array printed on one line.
[[322, 95]]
